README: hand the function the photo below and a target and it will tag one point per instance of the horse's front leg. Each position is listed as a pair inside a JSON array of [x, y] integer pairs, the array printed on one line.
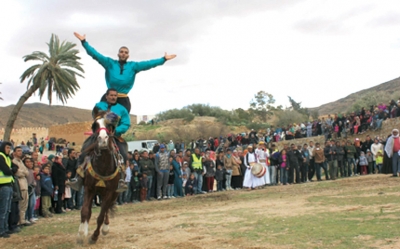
[[105, 229], [100, 220], [86, 212]]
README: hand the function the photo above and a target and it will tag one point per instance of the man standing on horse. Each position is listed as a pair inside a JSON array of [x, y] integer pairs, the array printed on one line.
[[120, 74], [123, 125]]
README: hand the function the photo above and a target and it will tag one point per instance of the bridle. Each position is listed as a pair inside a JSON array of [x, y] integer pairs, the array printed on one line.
[[103, 129]]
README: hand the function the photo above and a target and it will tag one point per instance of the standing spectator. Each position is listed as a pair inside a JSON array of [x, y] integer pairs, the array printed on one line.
[[237, 178], [196, 167], [47, 189], [379, 161], [6, 189], [58, 176], [31, 190], [210, 171], [330, 152], [340, 160], [306, 163], [171, 179], [392, 149], [319, 159], [162, 169], [311, 168], [351, 151], [293, 158], [135, 188], [363, 163], [284, 167], [143, 187], [228, 162], [375, 147], [219, 177], [147, 166], [22, 175], [178, 191], [370, 160]]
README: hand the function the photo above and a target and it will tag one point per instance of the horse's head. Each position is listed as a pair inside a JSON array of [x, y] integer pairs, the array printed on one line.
[[104, 127]]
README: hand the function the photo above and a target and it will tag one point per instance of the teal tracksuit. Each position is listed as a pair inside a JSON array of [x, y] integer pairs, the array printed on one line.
[[121, 80], [125, 120]]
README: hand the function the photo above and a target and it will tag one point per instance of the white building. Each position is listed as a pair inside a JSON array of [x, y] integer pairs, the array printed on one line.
[[145, 118]]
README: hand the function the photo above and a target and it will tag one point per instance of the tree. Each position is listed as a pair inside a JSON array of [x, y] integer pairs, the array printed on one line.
[[261, 105], [297, 107], [55, 73]]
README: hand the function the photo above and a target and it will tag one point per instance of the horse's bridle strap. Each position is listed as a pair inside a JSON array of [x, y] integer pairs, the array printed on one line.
[[105, 129]]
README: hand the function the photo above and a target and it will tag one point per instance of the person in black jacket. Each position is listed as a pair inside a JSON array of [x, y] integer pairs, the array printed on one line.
[[330, 152], [59, 176], [294, 157]]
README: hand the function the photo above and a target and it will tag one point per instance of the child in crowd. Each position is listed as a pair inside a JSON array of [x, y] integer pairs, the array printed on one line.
[[284, 167], [171, 179], [46, 191], [143, 187], [67, 193], [379, 161], [135, 187], [190, 185], [370, 159], [185, 169], [184, 180], [219, 177], [363, 163], [38, 189]]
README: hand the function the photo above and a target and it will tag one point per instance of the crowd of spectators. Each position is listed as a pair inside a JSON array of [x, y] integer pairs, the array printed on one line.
[[31, 187]]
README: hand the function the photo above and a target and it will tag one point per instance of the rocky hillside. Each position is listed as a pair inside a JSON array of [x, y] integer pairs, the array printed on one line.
[[383, 92], [42, 115]]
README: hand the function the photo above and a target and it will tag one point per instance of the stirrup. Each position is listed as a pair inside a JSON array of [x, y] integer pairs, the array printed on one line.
[[122, 187], [77, 183]]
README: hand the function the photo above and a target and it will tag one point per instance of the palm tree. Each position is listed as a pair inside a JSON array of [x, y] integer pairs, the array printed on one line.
[[55, 73]]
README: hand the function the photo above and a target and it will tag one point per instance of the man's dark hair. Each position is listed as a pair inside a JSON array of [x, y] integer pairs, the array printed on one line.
[[18, 147], [70, 151], [111, 90], [27, 159], [123, 47]]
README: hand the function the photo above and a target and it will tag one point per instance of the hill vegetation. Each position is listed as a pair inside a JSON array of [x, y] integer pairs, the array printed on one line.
[[42, 115]]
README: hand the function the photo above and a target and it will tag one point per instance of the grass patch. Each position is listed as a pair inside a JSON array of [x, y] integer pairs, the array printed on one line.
[[322, 230]]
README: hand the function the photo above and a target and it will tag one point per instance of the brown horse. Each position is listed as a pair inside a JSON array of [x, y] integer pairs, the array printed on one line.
[[101, 177]]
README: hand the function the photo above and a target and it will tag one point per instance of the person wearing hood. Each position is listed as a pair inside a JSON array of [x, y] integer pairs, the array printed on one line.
[[392, 149], [6, 187]]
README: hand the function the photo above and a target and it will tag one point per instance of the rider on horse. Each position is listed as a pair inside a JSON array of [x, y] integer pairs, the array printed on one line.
[[120, 74], [123, 125]]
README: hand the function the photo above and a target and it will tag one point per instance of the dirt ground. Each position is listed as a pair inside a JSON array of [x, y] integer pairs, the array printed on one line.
[[209, 220]]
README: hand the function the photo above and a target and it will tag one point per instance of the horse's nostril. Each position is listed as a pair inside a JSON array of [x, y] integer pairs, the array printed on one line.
[[106, 137]]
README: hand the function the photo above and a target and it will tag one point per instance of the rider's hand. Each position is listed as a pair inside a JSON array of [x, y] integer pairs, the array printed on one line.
[[169, 57], [80, 37]]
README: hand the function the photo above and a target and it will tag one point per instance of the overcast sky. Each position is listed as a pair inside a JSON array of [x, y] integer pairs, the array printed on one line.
[[314, 51]]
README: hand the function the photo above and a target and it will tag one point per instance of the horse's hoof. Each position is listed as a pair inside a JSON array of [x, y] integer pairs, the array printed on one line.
[[92, 241], [104, 232]]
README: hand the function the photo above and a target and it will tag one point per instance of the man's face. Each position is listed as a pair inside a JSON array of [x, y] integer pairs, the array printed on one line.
[[111, 97], [162, 150], [311, 144], [7, 149], [123, 54], [35, 156], [73, 154], [18, 153], [293, 147], [29, 164], [145, 155], [65, 152]]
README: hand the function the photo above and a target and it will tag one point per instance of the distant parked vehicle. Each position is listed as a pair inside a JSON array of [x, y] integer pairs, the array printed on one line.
[[140, 145]]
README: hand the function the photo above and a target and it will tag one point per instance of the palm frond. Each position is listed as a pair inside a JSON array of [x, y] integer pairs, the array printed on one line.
[[58, 71]]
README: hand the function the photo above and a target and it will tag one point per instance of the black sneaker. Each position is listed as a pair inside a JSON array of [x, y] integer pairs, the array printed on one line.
[[4, 235]]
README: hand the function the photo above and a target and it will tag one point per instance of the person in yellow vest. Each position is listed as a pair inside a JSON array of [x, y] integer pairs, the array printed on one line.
[[6, 190], [22, 175], [196, 167]]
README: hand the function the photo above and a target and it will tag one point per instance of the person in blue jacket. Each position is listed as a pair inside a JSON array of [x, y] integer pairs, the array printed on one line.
[[123, 125], [120, 74]]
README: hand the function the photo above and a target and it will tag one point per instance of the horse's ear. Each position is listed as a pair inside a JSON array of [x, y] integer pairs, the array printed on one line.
[[95, 112]]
